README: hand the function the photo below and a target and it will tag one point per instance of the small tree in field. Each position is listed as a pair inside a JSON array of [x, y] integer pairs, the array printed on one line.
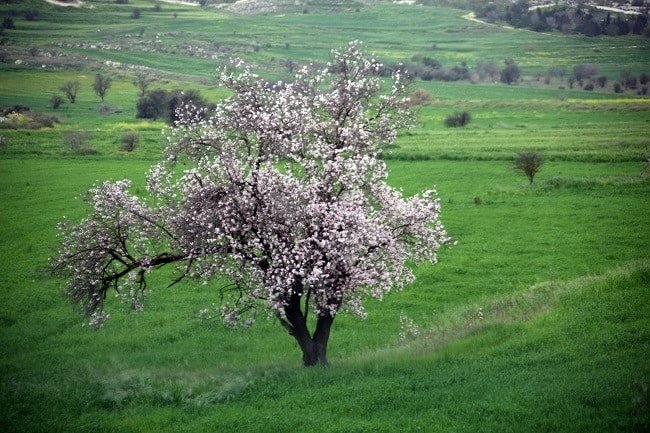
[[56, 101], [142, 82], [511, 72], [70, 90], [102, 84], [284, 195], [530, 163]]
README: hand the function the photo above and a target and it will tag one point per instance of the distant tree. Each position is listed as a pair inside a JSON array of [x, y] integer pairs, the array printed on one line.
[[628, 80], [487, 69], [601, 80], [178, 99], [617, 87], [142, 81], [8, 23], [584, 71], [530, 163], [304, 241], [588, 86], [639, 24], [102, 84], [511, 72], [56, 101], [33, 51], [431, 62], [589, 26], [31, 15], [289, 65], [643, 79], [571, 81], [135, 13], [152, 105], [122, 2], [157, 7], [70, 90]]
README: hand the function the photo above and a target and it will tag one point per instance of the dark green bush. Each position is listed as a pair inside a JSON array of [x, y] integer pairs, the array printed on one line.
[[458, 120]]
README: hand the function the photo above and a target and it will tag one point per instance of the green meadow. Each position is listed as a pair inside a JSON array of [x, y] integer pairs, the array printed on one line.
[[537, 320]]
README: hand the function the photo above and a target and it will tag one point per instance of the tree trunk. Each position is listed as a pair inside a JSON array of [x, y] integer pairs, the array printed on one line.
[[314, 348]]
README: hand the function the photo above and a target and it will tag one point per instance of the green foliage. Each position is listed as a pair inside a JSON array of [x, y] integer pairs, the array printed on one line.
[[458, 120]]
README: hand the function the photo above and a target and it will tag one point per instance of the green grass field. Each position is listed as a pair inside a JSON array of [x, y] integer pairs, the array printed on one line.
[[537, 320]]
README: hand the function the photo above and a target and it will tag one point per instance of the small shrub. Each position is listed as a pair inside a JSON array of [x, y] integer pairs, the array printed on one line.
[[602, 81], [617, 87], [3, 141], [457, 120], [135, 13], [419, 97], [588, 87], [105, 109], [76, 143], [3, 56], [130, 141], [33, 51], [157, 8], [122, 2], [530, 163]]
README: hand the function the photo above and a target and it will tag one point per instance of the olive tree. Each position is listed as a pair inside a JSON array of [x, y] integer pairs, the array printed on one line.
[[283, 194], [101, 85]]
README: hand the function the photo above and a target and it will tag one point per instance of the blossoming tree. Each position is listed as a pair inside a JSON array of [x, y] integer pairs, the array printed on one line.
[[285, 198]]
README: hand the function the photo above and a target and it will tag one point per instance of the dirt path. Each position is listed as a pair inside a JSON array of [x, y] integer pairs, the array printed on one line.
[[76, 4], [180, 2], [472, 17]]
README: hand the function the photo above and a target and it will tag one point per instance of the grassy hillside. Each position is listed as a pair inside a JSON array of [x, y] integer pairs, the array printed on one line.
[[537, 320]]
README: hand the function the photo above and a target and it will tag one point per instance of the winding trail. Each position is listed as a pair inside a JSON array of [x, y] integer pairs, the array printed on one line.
[[76, 4]]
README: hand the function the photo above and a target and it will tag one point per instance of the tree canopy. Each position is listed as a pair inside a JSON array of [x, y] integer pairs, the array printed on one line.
[[285, 197]]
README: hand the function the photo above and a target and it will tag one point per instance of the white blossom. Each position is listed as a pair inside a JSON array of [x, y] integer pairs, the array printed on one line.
[[284, 195]]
